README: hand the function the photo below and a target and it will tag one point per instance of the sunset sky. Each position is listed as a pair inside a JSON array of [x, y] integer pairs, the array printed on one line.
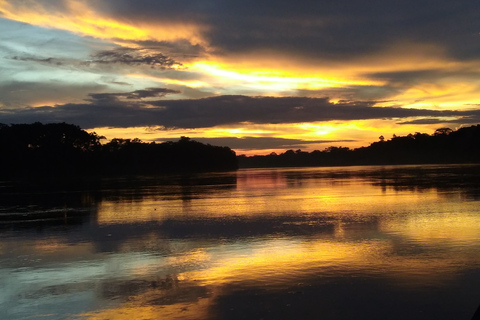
[[258, 76]]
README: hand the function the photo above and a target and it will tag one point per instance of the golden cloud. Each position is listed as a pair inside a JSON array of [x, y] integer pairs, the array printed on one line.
[[81, 19]]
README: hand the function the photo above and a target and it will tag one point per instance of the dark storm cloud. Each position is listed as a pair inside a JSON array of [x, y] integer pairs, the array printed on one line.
[[134, 57], [271, 110], [345, 29], [261, 143], [106, 110], [339, 29]]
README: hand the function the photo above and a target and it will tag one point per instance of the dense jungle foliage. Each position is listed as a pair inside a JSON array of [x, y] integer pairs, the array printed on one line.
[[443, 146], [67, 149]]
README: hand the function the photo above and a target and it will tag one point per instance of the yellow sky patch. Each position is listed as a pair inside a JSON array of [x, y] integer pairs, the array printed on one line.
[[276, 79]]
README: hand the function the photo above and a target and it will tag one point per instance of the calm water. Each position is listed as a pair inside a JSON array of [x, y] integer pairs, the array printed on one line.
[[397, 242]]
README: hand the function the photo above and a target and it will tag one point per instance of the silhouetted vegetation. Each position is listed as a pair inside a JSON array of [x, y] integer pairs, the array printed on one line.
[[61, 148], [442, 147], [32, 149]]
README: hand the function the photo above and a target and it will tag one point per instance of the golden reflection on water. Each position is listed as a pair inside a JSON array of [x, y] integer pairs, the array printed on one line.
[[408, 216], [280, 263], [312, 229], [455, 228], [268, 195], [410, 237], [277, 267], [141, 307]]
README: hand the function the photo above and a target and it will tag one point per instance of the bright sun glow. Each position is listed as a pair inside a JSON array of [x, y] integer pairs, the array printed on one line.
[[271, 79]]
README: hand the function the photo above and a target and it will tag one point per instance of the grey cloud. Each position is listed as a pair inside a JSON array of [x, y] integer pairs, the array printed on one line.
[[17, 94], [134, 57], [424, 121], [133, 95], [214, 111], [120, 83], [119, 56], [50, 60], [180, 49], [406, 79], [397, 82], [324, 29], [349, 29], [336, 30], [468, 119], [234, 109], [352, 92]]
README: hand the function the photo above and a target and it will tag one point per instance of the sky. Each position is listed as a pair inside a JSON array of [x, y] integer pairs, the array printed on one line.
[[257, 76]]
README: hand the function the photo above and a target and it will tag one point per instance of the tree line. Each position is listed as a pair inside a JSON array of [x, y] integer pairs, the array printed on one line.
[[61, 148], [67, 149], [443, 146]]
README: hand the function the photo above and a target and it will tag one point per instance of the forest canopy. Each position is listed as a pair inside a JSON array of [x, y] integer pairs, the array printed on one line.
[[67, 149], [443, 146]]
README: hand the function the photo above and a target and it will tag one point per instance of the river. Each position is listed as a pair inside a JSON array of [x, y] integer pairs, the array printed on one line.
[[390, 242]]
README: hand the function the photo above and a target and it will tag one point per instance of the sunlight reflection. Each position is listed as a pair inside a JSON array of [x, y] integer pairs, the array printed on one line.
[[434, 229], [143, 308], [175, 248]]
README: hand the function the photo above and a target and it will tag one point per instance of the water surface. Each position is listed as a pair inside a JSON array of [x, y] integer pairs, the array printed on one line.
[[395, 242]]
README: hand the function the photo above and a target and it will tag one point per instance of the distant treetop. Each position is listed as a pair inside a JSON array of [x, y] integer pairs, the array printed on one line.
[[67, 149]]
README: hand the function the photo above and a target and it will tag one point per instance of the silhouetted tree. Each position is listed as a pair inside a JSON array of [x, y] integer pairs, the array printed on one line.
[[444, 146], [64, 148], [42, 148], [442, 131]]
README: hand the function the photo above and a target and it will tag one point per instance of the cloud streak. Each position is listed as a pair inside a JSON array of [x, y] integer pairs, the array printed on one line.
[[134, 95], [108, 110], [135, 57], [262, 143]]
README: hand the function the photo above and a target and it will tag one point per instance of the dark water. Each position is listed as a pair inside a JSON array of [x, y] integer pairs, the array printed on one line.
[[397, 242]]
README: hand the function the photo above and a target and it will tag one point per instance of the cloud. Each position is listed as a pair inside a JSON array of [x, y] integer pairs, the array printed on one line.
[[135, 57], [262, 143], [134, 95], [179, 49], [50, 60], [108, 110], [351, 40], [353, 92], [332, 30], [346, 29], [473, 118], [223, 110], [122, 55], [18, 94]]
